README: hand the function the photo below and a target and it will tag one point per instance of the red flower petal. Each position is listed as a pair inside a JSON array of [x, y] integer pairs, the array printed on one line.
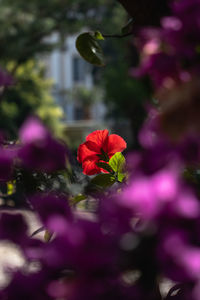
[[93, 147], [90, 167], [84, 153], [115, 143], [88, 152], [99, 137]]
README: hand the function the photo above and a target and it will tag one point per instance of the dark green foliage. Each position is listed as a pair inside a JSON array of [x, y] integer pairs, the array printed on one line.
[[125, 100], [103, 180], [89, 49]]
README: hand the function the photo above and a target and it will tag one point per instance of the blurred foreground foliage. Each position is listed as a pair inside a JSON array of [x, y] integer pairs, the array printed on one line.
[[24, 25], [24, 30], [30, 95]]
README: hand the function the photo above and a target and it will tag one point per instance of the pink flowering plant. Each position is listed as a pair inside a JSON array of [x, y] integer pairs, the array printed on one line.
[[133, 232]]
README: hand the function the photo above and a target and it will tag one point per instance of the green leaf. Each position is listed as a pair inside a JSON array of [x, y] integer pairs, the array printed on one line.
[[117, 162], [47, 236], [105, 166], [128, 27], [98, 35], [103, 180], [121, 177], [89, 49], [78, 198], [10, 188]]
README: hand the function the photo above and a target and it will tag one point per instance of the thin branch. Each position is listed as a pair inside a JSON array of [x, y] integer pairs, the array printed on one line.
[[117, 35], [173, 289], [37, 231]]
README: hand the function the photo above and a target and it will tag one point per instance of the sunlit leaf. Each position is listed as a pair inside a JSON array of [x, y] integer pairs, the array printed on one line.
[[117, 163], [98, 35], [47, 236], [10, 188], [121, 177]]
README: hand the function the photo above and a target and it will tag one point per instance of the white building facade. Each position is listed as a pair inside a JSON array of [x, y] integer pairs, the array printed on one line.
[[68, 70]]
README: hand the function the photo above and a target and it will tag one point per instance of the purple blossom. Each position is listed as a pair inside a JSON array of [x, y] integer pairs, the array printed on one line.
[[27, 286], [161, 68], [5, 78], [40, 151], [147, 196], [114, 216], [178, 257], [7, 156], [13, 227], [52, 209], [159, 150], [88, 288], [170, 54]]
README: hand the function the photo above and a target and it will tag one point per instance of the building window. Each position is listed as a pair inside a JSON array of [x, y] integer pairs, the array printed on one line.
[[78, 113], [79, 69]]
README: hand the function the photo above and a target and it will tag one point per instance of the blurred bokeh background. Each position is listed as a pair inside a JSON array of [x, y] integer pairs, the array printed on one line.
[[72, 97]]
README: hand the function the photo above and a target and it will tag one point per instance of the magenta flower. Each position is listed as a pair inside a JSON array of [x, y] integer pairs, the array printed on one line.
[[6, 164], [5, 78], [39, 150]]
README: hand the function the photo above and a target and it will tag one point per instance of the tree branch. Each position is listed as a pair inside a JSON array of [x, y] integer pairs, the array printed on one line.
[[117, 35], [145, 12]]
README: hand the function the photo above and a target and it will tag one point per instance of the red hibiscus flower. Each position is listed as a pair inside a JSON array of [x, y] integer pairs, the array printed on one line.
[[99, 147]]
